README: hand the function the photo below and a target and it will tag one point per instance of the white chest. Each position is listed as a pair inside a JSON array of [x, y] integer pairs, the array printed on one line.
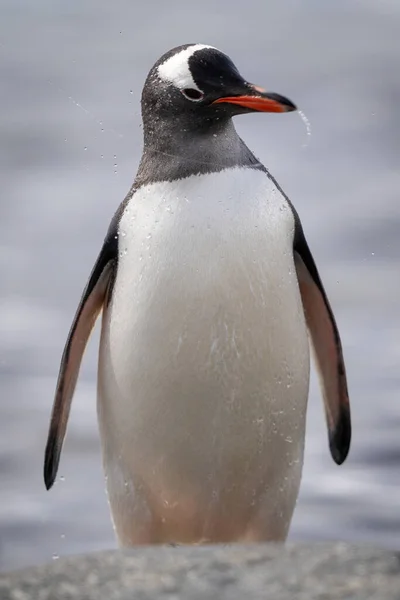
[[199, 252], [206, 297], [205, 262], [236, 217]]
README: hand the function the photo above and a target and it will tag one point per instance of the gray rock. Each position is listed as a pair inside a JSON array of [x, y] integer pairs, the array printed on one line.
[[273, 572]]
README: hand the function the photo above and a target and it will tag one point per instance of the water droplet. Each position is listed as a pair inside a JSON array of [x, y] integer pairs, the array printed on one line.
[[62, 478], [62, 536], [55, 557], [307, 124], [85, 148], [102, 156], [148, 236], [130, 91]]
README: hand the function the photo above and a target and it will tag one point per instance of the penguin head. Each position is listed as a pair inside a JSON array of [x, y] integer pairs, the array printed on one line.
[[203, 83]]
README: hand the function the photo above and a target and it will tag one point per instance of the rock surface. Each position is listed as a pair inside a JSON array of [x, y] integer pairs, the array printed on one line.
[[292, 572]]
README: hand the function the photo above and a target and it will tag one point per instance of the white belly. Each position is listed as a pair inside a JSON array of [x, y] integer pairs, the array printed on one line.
[[204, 362]]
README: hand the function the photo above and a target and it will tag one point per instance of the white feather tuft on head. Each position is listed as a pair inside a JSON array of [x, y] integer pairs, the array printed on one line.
[[176, 70]]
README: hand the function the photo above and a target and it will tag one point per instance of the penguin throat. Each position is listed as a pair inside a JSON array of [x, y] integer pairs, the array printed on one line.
[[174, 150]]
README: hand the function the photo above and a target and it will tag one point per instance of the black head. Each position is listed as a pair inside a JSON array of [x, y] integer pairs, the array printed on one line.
[[200, 84]]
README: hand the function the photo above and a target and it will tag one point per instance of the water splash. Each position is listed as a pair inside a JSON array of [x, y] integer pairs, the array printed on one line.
[[86, 111], [307, 124]]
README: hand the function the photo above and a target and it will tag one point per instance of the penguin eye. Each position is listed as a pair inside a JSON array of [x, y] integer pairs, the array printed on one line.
[[192, 94]]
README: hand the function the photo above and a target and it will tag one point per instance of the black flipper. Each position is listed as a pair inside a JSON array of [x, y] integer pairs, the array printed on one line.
[[95, 294], [327, 348]]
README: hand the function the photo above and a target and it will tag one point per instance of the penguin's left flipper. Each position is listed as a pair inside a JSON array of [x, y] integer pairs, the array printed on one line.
[[327, 348], [93, 298]]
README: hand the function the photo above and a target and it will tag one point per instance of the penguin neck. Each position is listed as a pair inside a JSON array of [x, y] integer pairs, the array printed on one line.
[[178, 148]]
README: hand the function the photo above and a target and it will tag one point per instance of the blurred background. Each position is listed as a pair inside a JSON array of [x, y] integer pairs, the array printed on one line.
[[71, 75]]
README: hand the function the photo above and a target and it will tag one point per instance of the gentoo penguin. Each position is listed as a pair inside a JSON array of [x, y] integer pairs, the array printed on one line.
[[207, 287]]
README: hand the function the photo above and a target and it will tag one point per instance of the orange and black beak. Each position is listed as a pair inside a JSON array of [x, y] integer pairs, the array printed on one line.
[[259, 100]]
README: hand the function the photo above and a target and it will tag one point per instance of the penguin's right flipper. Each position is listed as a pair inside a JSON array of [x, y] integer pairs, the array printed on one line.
[[93, 298]]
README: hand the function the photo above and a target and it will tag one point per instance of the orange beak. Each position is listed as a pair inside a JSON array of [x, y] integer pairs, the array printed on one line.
[[261, 101]]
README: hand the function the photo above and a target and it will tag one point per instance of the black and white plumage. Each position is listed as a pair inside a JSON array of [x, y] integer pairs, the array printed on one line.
[[207, 287]]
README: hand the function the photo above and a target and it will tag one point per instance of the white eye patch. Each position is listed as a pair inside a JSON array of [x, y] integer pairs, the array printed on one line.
[[176, 70]]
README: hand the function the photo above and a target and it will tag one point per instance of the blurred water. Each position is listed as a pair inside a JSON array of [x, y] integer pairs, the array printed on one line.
[[65, 168]]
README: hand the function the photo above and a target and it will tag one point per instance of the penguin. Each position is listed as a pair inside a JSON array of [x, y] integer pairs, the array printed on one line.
[[209, 296]]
